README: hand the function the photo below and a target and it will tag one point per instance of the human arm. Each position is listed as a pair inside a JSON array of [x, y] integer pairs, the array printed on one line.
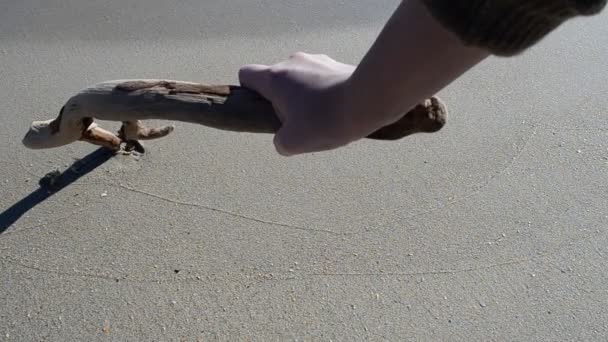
[[324, 104]]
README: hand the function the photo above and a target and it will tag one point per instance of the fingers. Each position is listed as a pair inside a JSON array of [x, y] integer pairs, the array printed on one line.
[[285, 140], [292, 140], [256, 77]]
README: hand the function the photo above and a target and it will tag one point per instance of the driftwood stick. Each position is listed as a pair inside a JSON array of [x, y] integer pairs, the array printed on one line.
[[224, 107]]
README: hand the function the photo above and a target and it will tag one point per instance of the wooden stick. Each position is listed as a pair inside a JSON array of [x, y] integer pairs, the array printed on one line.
[[224, 107]]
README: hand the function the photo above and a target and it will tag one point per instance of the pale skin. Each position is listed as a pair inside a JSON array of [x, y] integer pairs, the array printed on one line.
[[324, 104]]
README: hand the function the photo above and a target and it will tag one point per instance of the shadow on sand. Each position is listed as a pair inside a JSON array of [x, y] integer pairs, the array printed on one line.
[[51, 184]]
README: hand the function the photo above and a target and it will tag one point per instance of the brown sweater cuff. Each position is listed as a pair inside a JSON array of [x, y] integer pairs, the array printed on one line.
[[507, 27]]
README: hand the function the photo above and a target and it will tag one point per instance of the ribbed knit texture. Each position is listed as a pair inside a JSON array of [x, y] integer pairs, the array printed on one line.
[[507, 27]]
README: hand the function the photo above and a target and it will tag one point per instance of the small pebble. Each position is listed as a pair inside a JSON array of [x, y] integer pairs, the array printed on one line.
[[173, 302], [104, 194], [579, 151]]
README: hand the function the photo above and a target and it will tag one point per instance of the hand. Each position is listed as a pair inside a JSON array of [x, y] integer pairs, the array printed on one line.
[[324, 104], [308, 93]]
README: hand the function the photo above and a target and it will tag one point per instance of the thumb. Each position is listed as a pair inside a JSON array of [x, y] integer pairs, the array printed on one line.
[[256, 77], [290, 140]]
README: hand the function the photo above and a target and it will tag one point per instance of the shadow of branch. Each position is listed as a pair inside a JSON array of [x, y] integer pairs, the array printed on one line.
[[52, 183]]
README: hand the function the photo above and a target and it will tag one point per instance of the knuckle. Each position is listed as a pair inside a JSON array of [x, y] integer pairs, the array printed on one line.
[[247, 72], [242, 72], [278, 72], [298, 54], [325, 58]]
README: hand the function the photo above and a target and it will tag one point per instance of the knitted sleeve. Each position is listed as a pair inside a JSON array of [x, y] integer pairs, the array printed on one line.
[[507, 27]]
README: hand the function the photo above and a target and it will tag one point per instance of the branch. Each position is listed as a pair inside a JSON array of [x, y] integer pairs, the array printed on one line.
[[224, 107]]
